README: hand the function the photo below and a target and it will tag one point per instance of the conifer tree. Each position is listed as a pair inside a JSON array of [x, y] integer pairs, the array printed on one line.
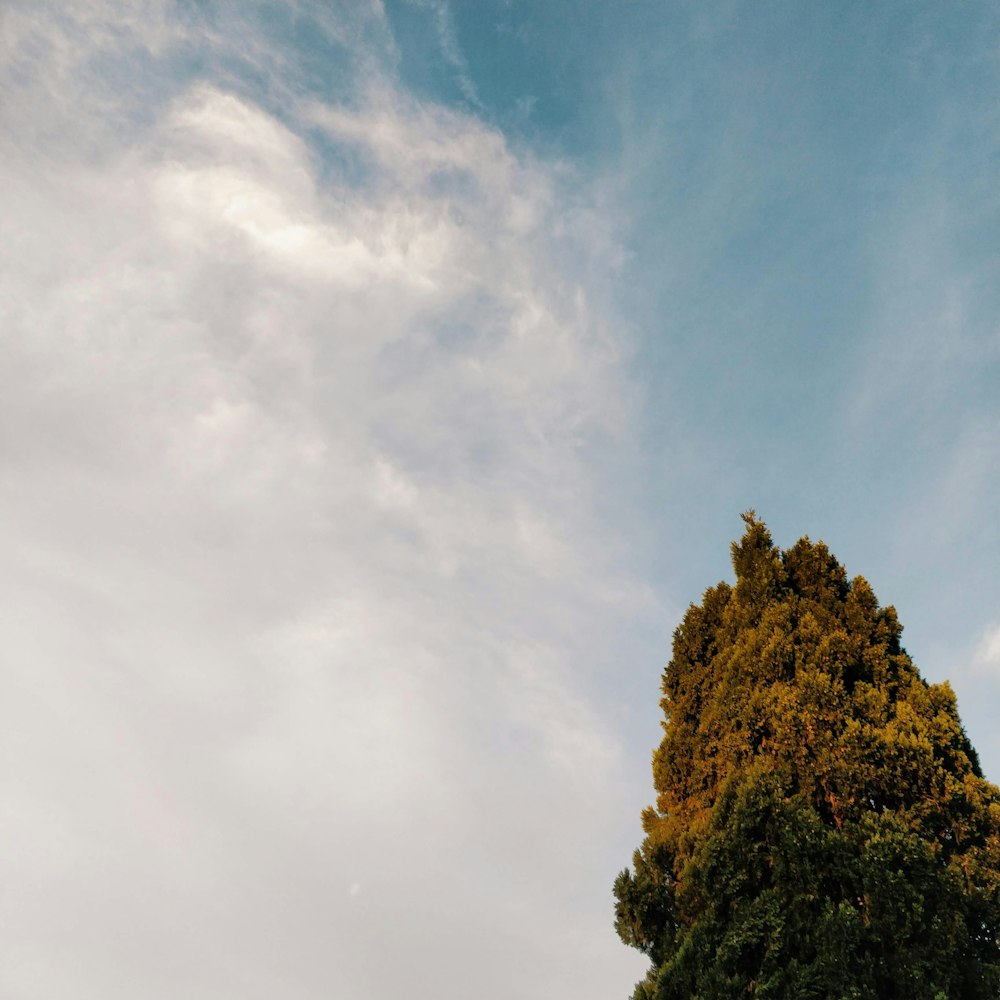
[[822, 827]]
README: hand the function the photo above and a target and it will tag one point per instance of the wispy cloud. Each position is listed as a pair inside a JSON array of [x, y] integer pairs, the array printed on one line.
[[451, 51], [986, 657], [308, 597]]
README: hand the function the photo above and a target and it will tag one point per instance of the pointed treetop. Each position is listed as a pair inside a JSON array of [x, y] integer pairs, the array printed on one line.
[[756, 561]]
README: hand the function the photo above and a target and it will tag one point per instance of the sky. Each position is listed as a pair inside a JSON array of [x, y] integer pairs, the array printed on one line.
[[379, 383]]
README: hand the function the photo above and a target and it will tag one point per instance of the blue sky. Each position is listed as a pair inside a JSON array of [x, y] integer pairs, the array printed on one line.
[[379, 384], [806, 197]]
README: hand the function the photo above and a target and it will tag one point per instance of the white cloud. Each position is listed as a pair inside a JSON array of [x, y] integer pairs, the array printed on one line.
[[986, 657], [306, 588]]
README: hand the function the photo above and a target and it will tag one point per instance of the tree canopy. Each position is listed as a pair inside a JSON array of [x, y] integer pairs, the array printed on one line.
[[822, 827]]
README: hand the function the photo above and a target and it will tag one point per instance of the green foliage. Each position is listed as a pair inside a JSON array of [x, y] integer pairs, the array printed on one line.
[[822, 828]]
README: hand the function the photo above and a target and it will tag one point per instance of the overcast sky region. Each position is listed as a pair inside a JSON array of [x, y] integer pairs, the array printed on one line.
[[379, 382]]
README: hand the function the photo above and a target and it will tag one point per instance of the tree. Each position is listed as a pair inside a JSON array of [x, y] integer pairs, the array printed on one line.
[[822, 826]]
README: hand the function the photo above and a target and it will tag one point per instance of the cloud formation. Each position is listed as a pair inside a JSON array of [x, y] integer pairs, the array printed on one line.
[[309, 602], [987, 654]]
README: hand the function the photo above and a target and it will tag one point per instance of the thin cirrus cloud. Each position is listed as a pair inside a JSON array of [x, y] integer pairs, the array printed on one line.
[[308, 598]]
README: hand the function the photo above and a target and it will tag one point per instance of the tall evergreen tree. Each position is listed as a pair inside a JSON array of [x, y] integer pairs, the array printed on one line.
[[822, 827]]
